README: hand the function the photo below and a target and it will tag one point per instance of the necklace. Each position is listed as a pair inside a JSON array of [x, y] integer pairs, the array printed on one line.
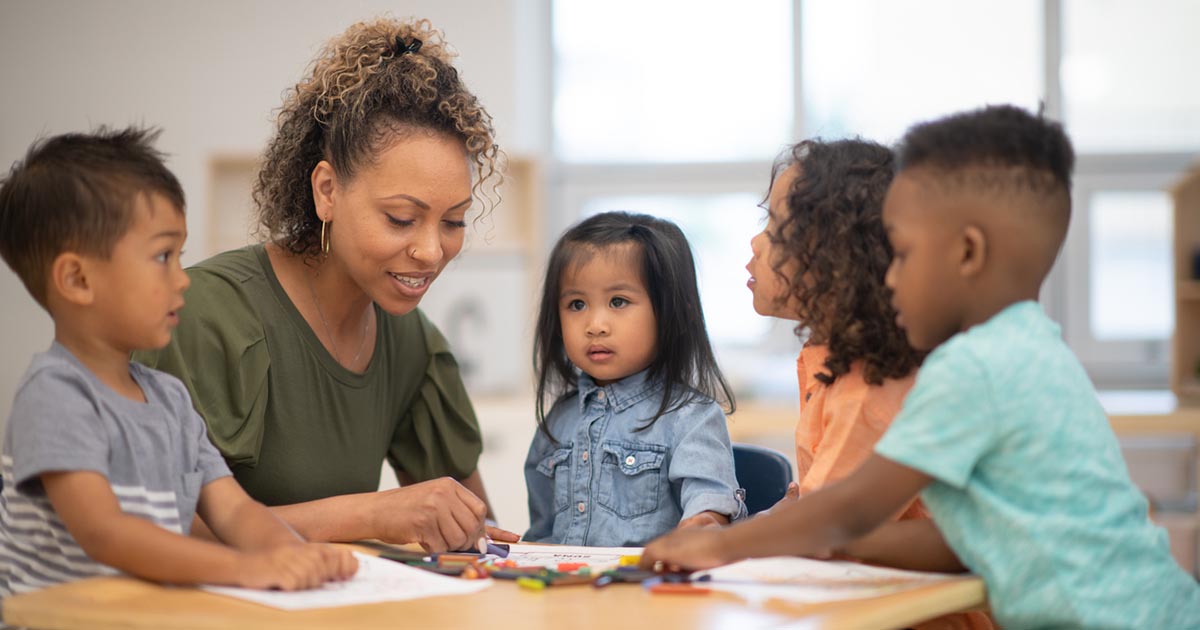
[[362, 342]]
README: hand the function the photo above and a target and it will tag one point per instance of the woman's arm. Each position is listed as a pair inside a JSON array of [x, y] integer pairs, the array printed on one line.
[[439, 515], [815, 525]]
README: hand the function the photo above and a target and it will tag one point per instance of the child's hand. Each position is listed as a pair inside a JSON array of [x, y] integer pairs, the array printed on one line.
[[695, 548], [297, 567], [704, 519]]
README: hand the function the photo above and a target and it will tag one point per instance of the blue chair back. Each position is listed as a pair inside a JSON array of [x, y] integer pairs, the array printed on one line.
[[763, 473]]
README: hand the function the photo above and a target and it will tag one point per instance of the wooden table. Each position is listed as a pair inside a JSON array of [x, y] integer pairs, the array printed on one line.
[[117, 602]]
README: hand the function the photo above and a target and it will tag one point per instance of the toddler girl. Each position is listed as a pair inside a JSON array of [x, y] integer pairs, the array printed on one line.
[[635, 443]]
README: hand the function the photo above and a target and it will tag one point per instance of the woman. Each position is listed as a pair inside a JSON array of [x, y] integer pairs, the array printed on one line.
[[306, 354]]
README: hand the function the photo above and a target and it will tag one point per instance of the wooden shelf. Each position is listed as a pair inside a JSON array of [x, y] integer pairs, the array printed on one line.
[[1185, 343], [1189, 389], [1187, 291]]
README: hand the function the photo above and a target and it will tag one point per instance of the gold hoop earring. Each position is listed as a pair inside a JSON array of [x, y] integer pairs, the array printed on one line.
[[324, 243]]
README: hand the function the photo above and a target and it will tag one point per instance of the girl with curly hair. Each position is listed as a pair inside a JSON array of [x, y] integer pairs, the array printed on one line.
[[306, 354], [821, 261]]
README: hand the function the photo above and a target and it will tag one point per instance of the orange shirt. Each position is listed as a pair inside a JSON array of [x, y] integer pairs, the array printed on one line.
[[839, 426], [840, 423]]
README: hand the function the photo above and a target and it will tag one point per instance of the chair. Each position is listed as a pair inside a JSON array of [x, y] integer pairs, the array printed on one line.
[[763, 473]]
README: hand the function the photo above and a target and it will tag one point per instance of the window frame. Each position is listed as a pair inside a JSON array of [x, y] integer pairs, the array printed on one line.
[[1110, 364]]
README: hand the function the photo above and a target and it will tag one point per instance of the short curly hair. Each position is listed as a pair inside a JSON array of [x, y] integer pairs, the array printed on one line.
[[377, 81], [833, 231]]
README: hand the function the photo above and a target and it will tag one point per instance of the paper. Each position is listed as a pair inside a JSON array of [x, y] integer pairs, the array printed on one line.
[[804, 580], [377, 580], [598, 558]]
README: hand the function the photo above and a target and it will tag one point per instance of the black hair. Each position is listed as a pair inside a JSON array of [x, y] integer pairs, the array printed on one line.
[[832, 229], [74, 192], [1035, 150], [684, 363]]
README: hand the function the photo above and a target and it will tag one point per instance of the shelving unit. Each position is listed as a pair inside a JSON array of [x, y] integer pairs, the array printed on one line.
[[1185, 344]]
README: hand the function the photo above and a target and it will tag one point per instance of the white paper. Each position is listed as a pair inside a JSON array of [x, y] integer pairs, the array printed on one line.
[[598, 558], [377, 580], [804, 580]]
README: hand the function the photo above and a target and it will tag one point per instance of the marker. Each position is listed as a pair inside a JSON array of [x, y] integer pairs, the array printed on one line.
[[678, 589], [488, 547]]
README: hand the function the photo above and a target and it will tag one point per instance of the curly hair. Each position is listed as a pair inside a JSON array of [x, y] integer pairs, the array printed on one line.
[[379, 80], [833, 231]]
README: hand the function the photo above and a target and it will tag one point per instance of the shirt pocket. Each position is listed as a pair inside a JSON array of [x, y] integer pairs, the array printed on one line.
[[631, 477], [556, 466], [187, 495]]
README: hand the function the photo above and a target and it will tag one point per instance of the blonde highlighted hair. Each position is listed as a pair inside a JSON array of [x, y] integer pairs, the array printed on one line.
[[368, 87]]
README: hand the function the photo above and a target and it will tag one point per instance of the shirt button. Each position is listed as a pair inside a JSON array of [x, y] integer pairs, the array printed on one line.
[[600, 395], [581, 507], [629, 461], [585, 456]]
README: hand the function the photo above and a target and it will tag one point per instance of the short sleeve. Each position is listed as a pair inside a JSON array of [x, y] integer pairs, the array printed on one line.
[[220, 353], [439, 434], [210, 462], [944, 427], [55, 425]]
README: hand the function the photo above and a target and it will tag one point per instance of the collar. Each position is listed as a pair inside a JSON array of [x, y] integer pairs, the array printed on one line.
[[810, 363], [621, 394]]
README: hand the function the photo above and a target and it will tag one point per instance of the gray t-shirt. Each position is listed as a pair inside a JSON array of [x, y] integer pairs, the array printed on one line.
[[155, 455]]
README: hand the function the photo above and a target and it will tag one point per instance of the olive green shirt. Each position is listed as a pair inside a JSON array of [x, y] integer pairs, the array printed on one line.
[[293, 424]]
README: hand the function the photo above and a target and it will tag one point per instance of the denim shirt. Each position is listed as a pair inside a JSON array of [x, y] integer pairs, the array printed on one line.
[[605, 484]]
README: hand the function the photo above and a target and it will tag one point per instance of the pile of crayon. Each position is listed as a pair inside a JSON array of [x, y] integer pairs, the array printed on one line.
[[475, 566]]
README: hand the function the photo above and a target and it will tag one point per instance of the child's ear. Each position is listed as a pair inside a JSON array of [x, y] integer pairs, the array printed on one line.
[[69, 277], [974, 251], [324, 182]]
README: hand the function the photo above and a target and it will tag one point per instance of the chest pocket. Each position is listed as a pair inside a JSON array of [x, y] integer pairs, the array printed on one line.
[[557, 467], [187, 496], [631, 478]]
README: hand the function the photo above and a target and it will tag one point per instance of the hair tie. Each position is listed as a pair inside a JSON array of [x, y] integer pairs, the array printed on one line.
[[411, 47]]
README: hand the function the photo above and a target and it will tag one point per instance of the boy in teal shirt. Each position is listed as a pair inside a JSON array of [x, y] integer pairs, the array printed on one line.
[[1002, 434]]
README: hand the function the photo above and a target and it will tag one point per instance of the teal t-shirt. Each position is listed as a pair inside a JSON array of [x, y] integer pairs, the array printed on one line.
[[1030, 489]]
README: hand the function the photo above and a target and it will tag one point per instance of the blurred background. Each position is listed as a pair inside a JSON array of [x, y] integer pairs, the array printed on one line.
[[677, 109]]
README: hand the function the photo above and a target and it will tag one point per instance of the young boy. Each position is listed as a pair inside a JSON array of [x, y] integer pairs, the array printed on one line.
[[1002, 434], [104, 461]]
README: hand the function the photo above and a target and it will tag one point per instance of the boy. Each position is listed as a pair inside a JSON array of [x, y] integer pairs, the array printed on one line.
[[1002, 434], [104, 461]]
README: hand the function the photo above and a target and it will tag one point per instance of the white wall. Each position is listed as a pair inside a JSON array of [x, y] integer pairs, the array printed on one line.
[[211, 74]]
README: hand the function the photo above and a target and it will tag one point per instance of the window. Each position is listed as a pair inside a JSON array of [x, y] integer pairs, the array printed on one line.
[[679, 109], [864, 75], [1127, 75], [1130, 263], [665, 82]]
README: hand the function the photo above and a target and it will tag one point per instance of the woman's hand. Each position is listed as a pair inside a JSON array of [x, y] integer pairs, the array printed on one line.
[[296, 567], [439, 515], [502, 535]]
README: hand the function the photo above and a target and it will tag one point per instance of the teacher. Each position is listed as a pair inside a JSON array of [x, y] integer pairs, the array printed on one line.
[[306, 354]]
